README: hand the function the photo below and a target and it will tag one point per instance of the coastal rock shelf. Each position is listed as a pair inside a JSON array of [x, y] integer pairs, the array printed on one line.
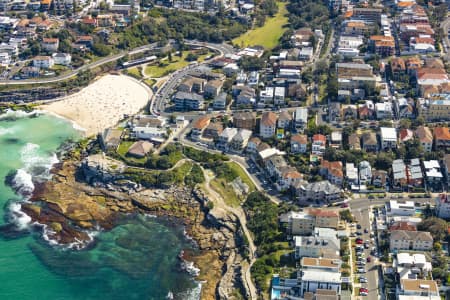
[[71, 209]]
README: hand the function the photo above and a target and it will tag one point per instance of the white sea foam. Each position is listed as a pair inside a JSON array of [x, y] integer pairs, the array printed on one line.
[[21, 219], [192, 294], [18, 114], [4, 131], [75, 125], [23, 182]]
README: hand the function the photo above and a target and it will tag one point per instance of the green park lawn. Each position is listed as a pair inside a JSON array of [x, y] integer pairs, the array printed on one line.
[[268, 35], [165, 67]]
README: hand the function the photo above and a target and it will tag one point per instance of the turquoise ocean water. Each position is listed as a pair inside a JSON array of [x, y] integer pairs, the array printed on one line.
[[136, 260]]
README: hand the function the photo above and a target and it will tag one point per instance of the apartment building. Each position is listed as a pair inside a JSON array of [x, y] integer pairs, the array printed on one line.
[[410, 240]]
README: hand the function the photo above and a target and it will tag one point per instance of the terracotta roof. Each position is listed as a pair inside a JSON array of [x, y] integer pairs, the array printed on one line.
[[406, 3], [402, 225], [319, 137], [292, 174], [442, 133], [356, 24], [405, 134], [398, 63], [201, 122], [381, 38], [50, 40], [285, 115], [299, 138], [140, 148], [323, 212], [334, 167], [424, 134], [269, 119]]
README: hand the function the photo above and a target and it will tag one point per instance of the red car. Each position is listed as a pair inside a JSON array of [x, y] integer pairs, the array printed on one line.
[[359, 241], [344, 205], [363, 292]]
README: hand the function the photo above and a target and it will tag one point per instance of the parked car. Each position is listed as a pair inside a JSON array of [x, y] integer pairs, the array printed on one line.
[[361, 270], [365, 230], [363, 279], [358, 226], [363, 291], [369, 259], [359, 241]]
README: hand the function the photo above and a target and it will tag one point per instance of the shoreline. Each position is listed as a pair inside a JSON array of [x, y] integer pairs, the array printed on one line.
[[102, 104]]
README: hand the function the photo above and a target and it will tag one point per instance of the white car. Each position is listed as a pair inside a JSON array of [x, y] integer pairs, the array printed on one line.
[[361, 270], [363, 280]]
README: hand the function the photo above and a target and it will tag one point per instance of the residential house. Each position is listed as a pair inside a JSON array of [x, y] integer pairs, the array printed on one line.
[[193, 84], [317, 192], [410, 240], [324, 218], [274, 164], [399, 178], [356, 28], [284, 120], [279, 95], [432, 171], [351, 174], [354, 142], [334, 112], [414, 173], [220, 102], [436, 108], [43, 62], [50, 44], [405, 135], [288, 178], [319, 142], [299, 143], [369, 142], [198, 126], [441, 137], [382, 45], [110, 139], [253, 79], [400, 208], [85, 40], [306, 54], [442, 207], [383, 110], [419, 289], [365, 172], [266, 95], [332, 170], [188, 101], [62, 59], [366, 111], [379, 178], [140, 149], [336, 139], [245, 95], [244, 120], [425, 138], [320, 274], [268, 124], [240, 140], [253, 143], [398, 68], [213, 88], [315, 246], [409, 266], [29, 72], [213, 130], [405, 108], [349, 112], [301, 118], [388, 138], [224, 139]]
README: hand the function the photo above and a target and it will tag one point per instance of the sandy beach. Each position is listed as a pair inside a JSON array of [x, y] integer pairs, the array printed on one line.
[[103, 103]]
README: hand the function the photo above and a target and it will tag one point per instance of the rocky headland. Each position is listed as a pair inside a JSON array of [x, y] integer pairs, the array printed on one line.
[[92, 195]]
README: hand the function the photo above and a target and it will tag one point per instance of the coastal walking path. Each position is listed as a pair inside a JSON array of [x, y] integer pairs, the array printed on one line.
[[238, 212]]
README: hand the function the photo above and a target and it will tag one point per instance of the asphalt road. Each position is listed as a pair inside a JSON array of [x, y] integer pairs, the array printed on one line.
[[445, 27], [362, 203], [362, 217], [223, 48]]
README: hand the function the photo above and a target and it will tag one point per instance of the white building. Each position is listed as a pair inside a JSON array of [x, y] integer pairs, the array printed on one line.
[[388, 138], [44, 62], [351, 172], [266, 95], [62, 58], [400, 208], [5, 59], [279, 95], [312, 280], [383, 110], [443, 206]]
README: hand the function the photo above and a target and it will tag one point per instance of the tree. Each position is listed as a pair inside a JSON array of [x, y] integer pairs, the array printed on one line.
[[101, 49], [413, 149], [437, 246], [169, 56], [383, 161], [346, 215], [436, 226], [250, 63]]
